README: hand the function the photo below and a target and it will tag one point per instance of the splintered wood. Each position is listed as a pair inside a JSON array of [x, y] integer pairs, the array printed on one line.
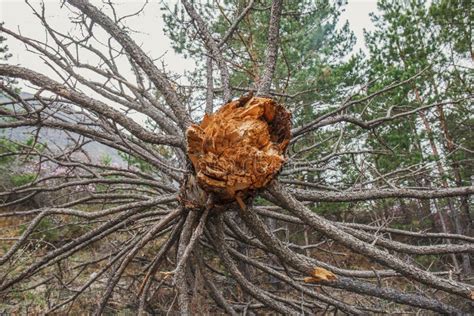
[[239, 148], [320, 274]]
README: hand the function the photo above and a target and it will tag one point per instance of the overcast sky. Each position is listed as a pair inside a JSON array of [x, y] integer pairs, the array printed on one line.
[[16, 14]]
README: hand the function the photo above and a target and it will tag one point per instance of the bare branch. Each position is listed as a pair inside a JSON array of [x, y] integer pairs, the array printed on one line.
[[212, 46], [136, 53]]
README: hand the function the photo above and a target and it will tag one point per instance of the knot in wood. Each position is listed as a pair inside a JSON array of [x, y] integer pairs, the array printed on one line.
[[240, 148]]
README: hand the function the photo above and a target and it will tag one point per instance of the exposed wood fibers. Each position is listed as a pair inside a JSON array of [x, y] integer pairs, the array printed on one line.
[[240, 148]]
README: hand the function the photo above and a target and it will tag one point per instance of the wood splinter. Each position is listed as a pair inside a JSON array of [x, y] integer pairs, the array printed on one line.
[[320, 274], [240, 148]]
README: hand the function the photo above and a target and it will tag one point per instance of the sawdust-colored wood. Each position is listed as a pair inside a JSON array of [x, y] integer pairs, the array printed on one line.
[[320, 274], [240, 148]]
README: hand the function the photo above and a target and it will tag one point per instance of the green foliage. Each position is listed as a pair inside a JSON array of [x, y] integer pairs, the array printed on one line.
[[312, 50], [16, 162], [7, 147], [53, 231], [106, 160], [4, 56], [22, 179], [412, 36], [139, 163], [46, 230], [454, 18]]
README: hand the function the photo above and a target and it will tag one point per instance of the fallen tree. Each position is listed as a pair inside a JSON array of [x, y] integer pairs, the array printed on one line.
[[192, 224]]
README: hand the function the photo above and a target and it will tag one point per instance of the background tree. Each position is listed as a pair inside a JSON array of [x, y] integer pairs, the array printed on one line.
[[143, 236], [409, 39]]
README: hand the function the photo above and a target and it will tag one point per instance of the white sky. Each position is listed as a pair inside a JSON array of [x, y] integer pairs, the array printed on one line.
[[357, 13], [16, 14]]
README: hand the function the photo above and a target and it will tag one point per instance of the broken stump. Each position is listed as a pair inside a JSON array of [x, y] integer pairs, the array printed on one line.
[[240, 148]]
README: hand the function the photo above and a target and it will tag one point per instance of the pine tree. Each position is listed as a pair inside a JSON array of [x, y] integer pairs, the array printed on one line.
[[416, 38]]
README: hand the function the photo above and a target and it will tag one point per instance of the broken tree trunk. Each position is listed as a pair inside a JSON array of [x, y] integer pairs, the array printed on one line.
[[240, 148]]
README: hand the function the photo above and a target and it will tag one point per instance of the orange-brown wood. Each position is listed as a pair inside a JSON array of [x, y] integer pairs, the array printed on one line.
[[320, 274], [241, 147]]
